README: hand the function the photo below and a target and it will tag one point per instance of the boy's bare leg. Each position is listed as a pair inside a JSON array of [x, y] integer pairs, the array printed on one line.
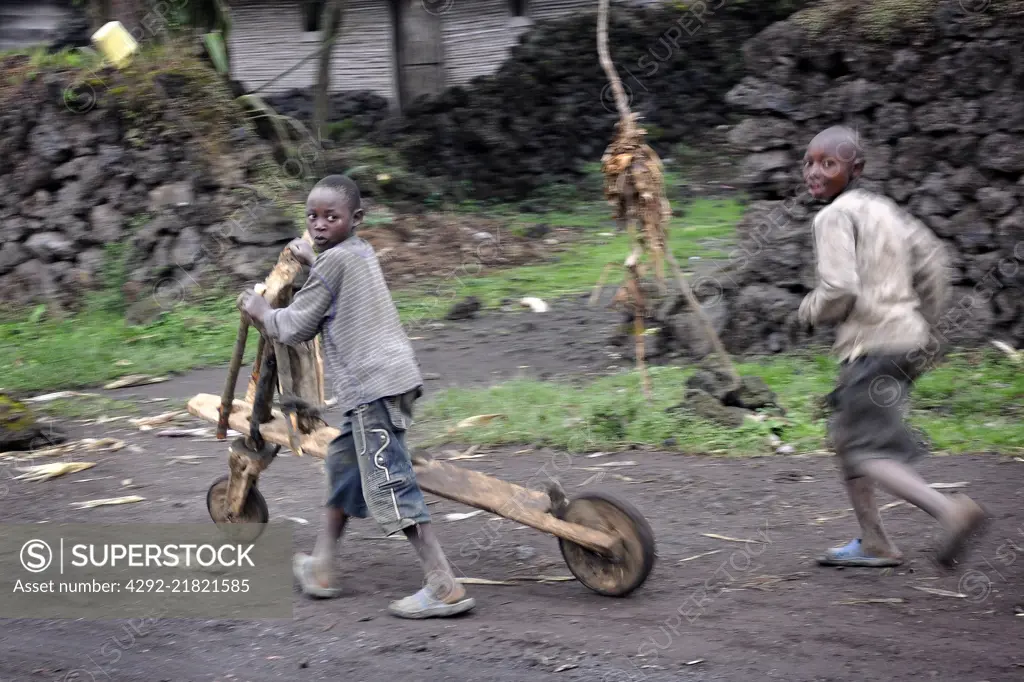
[[873, 536], [442, 596], [314, 573], [327, 545], [440, 577], [960, 517], [903, 482]]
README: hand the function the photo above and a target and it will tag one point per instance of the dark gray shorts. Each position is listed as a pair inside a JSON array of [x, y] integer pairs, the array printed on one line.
[[869, 405], [369, 470]]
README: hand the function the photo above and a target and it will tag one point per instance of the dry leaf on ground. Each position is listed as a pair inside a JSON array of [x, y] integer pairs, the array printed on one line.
[[478, 420], [106, 502], [184, 433], [149, 423], [462, 516], [59, 395], [869, 600], [134, 380], [940, 593], [716, 536], [102, 444], [482, 581], [88, 444], [513, 581], [700, 556], [44, 472], [188, 459]]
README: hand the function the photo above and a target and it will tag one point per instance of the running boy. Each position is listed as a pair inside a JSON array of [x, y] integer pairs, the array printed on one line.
[[882, 278], [377, 380]]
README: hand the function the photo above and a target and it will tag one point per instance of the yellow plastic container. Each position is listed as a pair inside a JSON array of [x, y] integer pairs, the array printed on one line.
[[115, 43]]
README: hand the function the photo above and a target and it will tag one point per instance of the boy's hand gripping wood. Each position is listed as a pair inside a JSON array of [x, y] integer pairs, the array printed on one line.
[[306, 363], [298, 373]]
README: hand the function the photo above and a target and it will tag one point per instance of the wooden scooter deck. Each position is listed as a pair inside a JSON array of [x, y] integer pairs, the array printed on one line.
[[472, 488]]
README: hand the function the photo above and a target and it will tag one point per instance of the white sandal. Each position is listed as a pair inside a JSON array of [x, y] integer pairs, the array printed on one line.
[[302, 567], [424, 604]]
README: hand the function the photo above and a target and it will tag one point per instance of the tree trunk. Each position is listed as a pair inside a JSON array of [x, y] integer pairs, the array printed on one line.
[[130, 13], [99, 13], [222, 23], [330, 26]]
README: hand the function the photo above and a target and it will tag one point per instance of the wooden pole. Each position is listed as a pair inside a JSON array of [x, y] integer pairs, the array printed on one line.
[[709, 328], [596, 294], [228, 397], [621, 102], [637, 304], [638, 330], [254, 376], [330, 25]]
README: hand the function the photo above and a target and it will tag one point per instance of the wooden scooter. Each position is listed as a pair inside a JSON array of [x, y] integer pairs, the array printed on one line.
[[606, 543]]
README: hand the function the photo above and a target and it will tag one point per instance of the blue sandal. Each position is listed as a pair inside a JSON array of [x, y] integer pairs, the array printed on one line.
[[853, 555]]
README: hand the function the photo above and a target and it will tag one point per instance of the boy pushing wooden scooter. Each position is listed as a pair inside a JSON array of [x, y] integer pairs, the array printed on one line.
[[607, 544]]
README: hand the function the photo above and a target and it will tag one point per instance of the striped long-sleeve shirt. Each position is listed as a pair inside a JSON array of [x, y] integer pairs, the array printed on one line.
[[366, 350], [883, 276]]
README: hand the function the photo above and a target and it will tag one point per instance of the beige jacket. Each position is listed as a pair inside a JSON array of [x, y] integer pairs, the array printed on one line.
[[883, 276]]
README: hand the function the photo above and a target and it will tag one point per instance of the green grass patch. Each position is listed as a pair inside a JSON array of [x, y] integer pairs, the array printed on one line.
[[704, 231], [85, 350], [971, 403], [21, 66]]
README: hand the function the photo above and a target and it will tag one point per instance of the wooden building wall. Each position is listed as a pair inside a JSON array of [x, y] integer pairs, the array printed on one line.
[[478, 34], [267, 38], [25, 23], [554, 9], [477, 37]]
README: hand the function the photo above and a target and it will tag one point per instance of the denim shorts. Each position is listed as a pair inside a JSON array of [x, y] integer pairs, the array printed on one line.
[[870, 405], [369, 470]]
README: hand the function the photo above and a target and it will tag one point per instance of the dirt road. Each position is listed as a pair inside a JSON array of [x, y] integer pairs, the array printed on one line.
[[713, 609]]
